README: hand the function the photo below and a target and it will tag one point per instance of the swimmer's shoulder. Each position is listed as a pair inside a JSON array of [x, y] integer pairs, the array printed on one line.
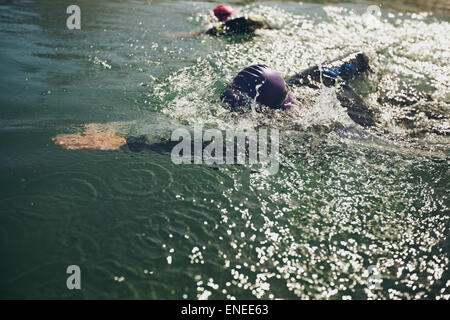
[[240, 25]]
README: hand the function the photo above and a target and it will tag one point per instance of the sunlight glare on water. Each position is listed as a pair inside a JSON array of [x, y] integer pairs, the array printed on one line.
[[140, 226]]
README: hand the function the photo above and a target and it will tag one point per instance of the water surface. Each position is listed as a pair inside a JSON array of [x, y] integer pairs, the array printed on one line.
[[142, 227]]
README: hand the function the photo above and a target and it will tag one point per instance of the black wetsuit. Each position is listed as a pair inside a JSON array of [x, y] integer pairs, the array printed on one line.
[[240, 26]]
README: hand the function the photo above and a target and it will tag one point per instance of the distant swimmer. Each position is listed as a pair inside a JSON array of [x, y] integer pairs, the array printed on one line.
[[230, 24], [240, 26]]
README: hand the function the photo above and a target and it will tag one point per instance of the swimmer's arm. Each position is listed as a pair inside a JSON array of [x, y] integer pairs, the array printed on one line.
[[357, 109], [98, 136], [166, 146], [95, 140], [329, 73], [110, 141], [94, 137], [104, 136], [140, 143], [182, 35]]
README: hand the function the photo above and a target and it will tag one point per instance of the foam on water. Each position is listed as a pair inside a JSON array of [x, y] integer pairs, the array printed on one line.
[[404, 50]]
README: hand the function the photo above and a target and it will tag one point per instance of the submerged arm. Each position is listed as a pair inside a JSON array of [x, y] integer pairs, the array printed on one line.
[[357, 109], [95, 137], [91, 139]]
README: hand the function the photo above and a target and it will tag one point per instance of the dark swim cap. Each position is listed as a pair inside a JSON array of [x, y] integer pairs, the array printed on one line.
[[223, 12], [260, 82]]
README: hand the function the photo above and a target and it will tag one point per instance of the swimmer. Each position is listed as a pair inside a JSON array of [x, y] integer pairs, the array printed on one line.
[[229, 24], [258, 83], [268, 87]]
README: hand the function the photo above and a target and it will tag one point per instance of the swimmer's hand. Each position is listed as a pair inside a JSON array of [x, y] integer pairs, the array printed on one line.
[[95, 137], [183, 34]]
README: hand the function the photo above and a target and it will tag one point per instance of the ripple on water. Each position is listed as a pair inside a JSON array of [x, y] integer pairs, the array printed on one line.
[[141, 179], [145, 228]]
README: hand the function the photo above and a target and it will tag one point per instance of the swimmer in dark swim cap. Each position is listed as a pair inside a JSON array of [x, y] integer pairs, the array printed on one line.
[[230, 26], [260, 83], [267, 87]]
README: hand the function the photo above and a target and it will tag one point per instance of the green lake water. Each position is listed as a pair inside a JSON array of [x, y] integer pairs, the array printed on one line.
[[141, 227]]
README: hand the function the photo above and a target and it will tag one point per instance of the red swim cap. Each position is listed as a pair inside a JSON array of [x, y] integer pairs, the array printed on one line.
[[224, 12]]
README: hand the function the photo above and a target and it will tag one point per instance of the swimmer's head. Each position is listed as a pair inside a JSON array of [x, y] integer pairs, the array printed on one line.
[[261, 83], [223, 12]]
